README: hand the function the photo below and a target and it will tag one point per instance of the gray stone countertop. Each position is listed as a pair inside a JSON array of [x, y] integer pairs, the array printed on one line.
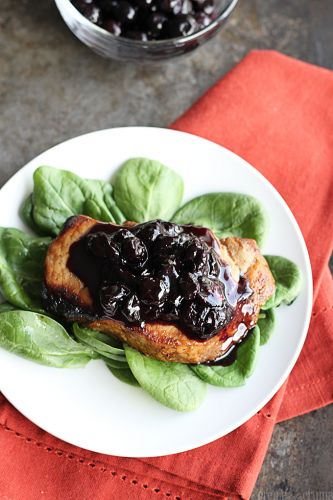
[[52, 88]]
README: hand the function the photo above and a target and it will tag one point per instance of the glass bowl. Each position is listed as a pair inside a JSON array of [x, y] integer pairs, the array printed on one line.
[[105, 44]]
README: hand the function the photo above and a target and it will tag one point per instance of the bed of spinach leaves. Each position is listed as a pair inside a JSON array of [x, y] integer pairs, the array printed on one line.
[[143, 190]]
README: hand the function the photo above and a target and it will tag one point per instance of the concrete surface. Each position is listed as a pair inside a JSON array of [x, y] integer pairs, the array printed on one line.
[[52, 88]]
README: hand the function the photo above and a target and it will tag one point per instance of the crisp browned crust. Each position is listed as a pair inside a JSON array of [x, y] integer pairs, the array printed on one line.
[[166, 342]]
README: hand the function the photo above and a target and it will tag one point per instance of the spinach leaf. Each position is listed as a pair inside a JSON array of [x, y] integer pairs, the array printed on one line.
[[21, 267], [6, 306], [227, 214], [40, 338], [100, 343], [112, 363], [288, 281], [172, 384], [94, 207], [26, 213], [124, 375], [234, 375], [110, 349], [59, 194], [145, 190], [266, 324]]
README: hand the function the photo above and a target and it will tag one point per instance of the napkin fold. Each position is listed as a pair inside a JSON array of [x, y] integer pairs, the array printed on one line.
[[277, 113]]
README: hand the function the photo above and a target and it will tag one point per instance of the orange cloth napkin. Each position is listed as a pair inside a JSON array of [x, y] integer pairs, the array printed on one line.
[[277, 113]]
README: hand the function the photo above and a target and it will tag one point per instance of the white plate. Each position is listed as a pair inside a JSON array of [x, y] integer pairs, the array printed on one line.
[[89, 407]]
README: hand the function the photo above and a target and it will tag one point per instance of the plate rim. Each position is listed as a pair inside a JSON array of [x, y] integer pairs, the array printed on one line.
[[309, 290]]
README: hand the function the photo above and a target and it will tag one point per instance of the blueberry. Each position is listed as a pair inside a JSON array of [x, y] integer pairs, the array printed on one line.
[[163, 246], [90, 10], [169, 228], [94, 15], [211, 292], [122, 11], [214, 263], [195, 256], [123, 276], [131, 309], [148, 231], [112, 26], [215, 319], [189, 314], [187, 7], [111, 297], [170, 6], [191, 249], [121, 235], [134, 252], [154, 290], [101, 245], [203, 20], [183, 239], [203, 322], [171, 268], [206, 6], [210, 321], [201, 325], [155, 23], [113, 253], [189, 286], [171, 309]]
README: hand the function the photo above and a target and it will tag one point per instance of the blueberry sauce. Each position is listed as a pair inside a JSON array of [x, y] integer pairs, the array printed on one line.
[[230, 356], [160, 271], [149, 19]]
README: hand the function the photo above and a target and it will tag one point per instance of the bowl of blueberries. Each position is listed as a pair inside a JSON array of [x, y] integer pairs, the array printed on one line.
[[140, 30]]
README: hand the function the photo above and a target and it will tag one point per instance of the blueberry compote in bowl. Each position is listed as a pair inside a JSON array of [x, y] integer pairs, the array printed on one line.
[[140, 30]]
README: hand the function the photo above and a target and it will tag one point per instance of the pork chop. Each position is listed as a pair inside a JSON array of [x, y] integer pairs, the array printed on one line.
[[66, 296]]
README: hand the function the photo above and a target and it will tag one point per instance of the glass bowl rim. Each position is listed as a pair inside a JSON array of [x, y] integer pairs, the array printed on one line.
[[151, 43]]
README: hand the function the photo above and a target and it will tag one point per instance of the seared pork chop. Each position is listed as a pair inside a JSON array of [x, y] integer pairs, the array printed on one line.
[[67, 296]]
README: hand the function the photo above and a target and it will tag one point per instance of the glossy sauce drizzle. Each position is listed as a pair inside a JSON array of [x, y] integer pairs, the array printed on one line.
[[160, 271]]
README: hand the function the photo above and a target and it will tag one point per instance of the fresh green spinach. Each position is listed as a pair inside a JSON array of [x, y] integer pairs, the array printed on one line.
[[41, 339], [227, 214], [234, 375], [26, 213], [145, 190], [288, 281], [6, 306], [124, 375], [60, 194], [172, 384], [266, 324], [112, 363], [21, 268], [99, 342]]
